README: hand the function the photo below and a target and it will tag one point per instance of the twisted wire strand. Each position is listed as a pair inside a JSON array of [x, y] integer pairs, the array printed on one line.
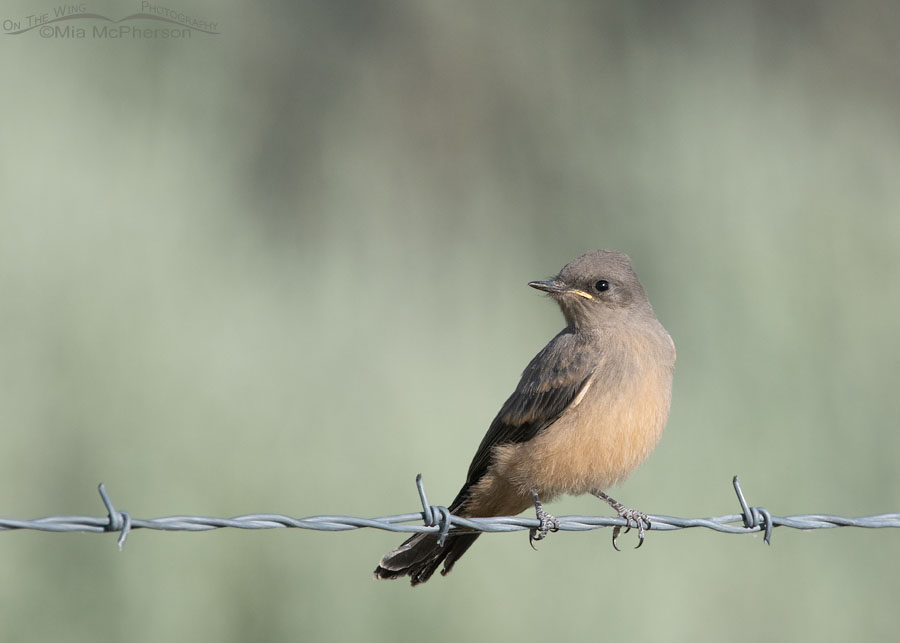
[[437, 519]]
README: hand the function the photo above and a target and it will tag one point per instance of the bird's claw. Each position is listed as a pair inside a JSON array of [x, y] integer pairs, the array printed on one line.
[[547, 522], [640, 520], [633, 518]]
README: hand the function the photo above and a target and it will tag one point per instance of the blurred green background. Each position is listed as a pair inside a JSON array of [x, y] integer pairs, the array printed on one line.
[[282, 269]]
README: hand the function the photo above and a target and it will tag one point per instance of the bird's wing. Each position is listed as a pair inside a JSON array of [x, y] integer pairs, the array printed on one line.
[[555, 379]]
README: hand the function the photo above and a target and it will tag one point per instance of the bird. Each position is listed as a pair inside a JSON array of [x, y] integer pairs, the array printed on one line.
[[588, 409]]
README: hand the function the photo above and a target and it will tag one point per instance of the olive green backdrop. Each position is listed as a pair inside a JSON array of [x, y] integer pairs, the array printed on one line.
[[282, 269]]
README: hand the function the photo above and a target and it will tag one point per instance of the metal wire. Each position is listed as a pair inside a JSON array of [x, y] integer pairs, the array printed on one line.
[[438, 519]]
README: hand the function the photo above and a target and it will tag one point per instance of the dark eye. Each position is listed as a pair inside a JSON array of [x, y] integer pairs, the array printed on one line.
[[602, 285]]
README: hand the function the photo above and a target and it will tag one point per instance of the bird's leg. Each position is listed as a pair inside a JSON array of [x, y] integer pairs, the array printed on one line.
[[548, 522], [639, 518]]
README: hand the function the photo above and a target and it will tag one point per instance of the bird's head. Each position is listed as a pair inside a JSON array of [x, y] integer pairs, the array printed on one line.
[[597, 288]]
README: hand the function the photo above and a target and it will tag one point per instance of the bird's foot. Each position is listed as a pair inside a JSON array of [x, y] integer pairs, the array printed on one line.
[[547, 522], [638, 518], [633, 518]]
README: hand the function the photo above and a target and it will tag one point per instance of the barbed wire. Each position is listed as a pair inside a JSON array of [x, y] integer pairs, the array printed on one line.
[[438, 519]]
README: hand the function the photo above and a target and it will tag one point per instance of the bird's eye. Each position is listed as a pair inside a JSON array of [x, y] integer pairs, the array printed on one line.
[[602, 285]]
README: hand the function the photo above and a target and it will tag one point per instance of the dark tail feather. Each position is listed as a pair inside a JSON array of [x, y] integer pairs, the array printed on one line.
[[421, 555]]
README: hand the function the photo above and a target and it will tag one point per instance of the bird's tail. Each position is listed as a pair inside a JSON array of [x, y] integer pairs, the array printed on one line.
[[421, 555]]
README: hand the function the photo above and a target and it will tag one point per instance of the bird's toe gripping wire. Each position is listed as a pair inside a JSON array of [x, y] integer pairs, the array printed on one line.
[[633, 519], [638, 518], [547, 522]]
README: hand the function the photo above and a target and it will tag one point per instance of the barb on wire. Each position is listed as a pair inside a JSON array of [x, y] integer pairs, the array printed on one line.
[[438, 519]]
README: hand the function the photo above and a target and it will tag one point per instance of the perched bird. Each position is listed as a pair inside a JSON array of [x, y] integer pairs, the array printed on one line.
[[587, 411]]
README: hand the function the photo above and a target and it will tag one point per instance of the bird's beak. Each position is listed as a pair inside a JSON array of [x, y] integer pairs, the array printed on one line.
[[549, 286], [557, 287]]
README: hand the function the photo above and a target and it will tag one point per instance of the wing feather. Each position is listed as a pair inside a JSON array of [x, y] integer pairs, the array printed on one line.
[[556, 378]]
